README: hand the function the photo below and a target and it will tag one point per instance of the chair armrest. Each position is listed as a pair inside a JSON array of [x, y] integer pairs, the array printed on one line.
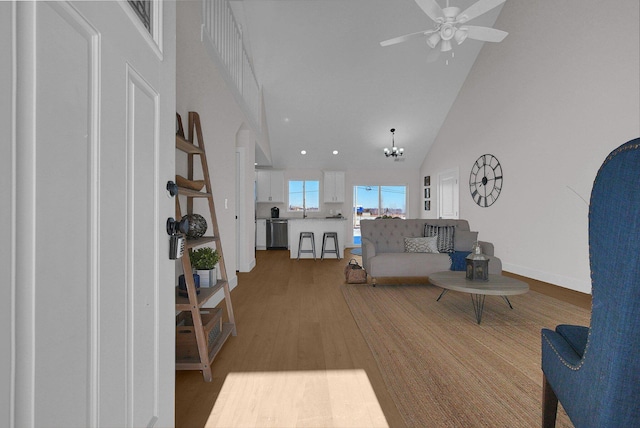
[[575, 335], [368, 251], [556, 349]]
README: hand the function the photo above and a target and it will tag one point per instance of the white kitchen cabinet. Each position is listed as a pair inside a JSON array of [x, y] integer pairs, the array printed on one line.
[[261, 234], [263, 186], [270, 186], [333, 187]]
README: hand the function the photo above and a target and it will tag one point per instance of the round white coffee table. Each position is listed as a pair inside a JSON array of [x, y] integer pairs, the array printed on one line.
[[497, 285]]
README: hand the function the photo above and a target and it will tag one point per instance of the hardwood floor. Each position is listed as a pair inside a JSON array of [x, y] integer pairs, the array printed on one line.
[[291, 316]]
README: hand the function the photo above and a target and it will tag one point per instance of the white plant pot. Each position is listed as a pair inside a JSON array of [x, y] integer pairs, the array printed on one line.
[[208, 277]]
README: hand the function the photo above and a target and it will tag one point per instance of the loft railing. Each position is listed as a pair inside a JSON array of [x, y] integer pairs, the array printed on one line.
[[225, 38]]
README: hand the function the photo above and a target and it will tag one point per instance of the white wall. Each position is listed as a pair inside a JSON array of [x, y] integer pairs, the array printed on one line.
[[550, 101], [200, 87], [246, 148]]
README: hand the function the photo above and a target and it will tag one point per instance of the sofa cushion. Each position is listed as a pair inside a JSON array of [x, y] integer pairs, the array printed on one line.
[[445, 236], [458, 260], [464, 240], [421, 245], [408, 264]]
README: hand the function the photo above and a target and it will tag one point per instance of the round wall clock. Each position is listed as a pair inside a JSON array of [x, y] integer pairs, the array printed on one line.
[[485, 180]]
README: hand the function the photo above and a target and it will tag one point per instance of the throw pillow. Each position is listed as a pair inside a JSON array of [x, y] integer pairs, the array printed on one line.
[[464, 240], [458, 261], [445, 236], [421, 245]]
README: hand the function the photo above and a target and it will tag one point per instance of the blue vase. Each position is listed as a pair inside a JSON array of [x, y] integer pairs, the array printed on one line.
[[182, 285]]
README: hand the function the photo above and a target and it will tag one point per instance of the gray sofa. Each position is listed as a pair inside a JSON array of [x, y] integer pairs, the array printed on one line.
[[383, 248]]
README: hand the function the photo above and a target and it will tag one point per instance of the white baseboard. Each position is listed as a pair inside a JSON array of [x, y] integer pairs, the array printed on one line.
[[248, 267]]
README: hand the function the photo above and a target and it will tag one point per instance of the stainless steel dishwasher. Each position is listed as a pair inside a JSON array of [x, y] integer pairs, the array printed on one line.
[[277, 234]]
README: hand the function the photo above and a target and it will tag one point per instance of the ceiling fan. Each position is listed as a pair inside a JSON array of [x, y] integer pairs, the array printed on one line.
[[451, 25]]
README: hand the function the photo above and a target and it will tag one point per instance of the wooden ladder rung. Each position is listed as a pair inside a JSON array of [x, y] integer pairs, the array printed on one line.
[[187, 146], [192, 243], [183, 303], [190, 193]]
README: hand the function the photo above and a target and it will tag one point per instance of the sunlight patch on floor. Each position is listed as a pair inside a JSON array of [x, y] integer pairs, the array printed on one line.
[[319, 398]]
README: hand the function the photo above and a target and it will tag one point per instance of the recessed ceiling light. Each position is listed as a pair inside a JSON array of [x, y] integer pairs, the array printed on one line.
[[303, 152], [335, 152]]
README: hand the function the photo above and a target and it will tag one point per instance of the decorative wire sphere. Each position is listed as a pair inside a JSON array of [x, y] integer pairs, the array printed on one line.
[[197, 226]]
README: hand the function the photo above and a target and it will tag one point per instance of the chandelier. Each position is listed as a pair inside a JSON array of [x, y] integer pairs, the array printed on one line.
[[394, 151]]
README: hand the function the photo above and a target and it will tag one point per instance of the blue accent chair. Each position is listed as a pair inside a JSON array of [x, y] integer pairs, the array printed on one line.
[[595, 371]]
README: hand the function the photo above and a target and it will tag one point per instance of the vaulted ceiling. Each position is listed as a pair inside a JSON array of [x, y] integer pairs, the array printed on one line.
[[329, 85]]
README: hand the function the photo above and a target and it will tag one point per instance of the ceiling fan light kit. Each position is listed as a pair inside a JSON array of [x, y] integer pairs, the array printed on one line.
[[461, 35], [448, 21], [445, 46], [433, 40]]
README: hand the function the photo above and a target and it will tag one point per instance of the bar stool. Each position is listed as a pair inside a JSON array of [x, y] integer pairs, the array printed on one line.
[[313, 244], [335, 251]]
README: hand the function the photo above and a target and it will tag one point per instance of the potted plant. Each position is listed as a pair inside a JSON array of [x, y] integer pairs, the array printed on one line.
[[204, 262]]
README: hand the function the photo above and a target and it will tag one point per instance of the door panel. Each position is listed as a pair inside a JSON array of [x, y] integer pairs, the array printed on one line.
[[142, 280], [64, 251], [95, 136], [448, 191]]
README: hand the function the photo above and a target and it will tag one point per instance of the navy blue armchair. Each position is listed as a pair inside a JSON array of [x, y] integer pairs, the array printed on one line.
[[595, 371]]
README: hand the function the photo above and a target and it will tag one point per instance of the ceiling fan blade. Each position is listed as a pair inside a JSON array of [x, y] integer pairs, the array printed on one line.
[[485, 34], [431, 8], [404, 38], [477, 9]]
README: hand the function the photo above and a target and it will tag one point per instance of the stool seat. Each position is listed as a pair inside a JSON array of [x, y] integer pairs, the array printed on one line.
[[336, 251], [310, 236]]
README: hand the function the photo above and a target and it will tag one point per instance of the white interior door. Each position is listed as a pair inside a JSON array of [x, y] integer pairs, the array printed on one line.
[[448, 194], [94, 145]]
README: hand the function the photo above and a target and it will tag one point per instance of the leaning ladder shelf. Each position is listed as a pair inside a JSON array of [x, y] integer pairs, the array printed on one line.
[[208, 342]]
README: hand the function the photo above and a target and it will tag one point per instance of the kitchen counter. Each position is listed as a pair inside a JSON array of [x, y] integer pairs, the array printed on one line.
[[318, 226]]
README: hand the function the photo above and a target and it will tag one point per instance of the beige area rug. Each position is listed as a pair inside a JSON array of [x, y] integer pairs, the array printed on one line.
[[443, 369]]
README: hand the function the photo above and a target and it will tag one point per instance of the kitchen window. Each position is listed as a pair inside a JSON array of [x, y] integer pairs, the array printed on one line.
[[304, 195]]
